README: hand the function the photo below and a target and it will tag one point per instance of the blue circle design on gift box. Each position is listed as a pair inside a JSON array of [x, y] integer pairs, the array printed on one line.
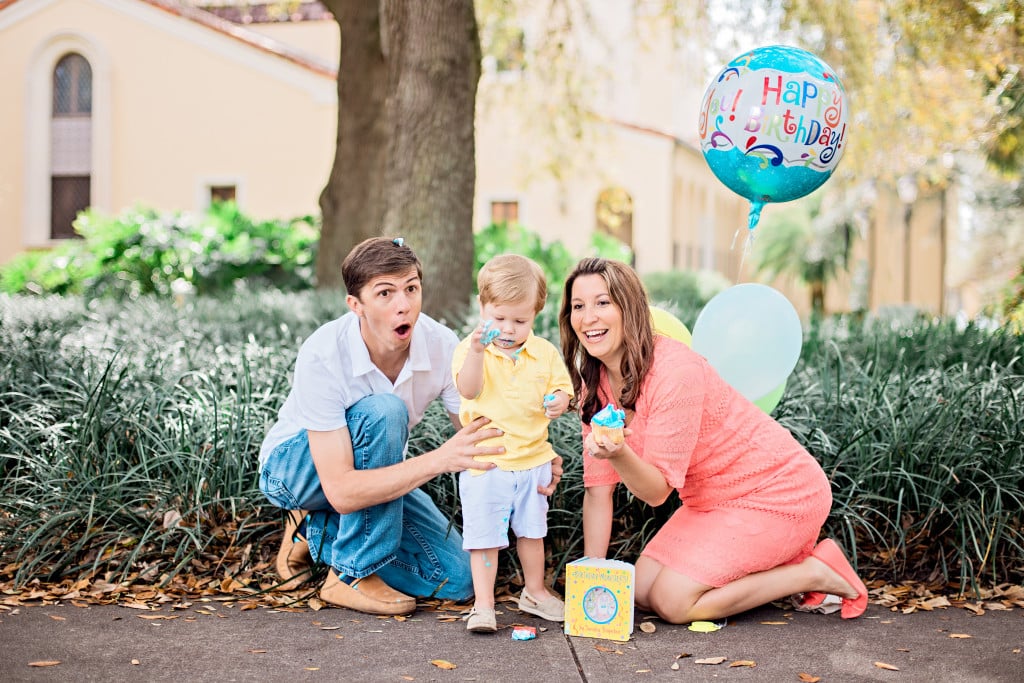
[[600, 605], [773, 125]]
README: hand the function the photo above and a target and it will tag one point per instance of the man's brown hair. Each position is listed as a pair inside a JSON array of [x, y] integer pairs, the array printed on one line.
[[374, 257]]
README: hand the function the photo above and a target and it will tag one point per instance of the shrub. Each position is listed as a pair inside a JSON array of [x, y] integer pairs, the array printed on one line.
[[554, 258], [684, 289], [129, 434], [143, 251]]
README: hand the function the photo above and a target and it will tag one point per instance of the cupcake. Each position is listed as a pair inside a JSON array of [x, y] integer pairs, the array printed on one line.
[[609, 422]]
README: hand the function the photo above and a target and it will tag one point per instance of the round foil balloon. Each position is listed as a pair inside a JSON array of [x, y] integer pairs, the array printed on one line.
[[773, 125]]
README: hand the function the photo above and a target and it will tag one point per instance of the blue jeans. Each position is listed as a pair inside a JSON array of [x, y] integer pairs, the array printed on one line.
[[406, 541]]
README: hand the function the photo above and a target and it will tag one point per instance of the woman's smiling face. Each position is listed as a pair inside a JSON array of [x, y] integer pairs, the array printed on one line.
[[596, 319]]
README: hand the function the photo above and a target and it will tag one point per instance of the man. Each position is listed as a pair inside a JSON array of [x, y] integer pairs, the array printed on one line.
[[335, 458]]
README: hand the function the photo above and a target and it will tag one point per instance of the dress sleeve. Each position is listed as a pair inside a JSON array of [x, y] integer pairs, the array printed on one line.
[[673, 398]]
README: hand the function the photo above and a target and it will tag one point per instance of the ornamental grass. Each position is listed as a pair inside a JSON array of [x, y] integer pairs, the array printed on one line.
[[129, 434]]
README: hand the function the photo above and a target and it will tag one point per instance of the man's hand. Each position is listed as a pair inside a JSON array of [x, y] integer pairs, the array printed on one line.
[[456, 454], [556, 476]]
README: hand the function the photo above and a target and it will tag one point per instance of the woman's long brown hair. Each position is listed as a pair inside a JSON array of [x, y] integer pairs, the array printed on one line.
[[627, 292]]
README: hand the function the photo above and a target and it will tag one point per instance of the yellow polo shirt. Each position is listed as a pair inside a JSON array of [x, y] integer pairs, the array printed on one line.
[[513, 397]]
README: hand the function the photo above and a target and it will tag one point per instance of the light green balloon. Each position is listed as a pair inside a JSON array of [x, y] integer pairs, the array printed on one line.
[[768, 402]]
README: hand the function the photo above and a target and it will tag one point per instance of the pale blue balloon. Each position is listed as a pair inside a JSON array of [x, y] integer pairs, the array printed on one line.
[[751, 335]]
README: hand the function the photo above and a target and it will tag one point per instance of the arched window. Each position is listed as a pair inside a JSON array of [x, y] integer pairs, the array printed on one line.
[[615, 214], [71, 143]]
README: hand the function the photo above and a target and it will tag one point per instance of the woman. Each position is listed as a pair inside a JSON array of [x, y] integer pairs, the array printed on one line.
[[754, 500]]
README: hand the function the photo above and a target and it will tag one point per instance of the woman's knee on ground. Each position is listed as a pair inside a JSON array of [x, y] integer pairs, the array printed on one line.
[[672, 606]]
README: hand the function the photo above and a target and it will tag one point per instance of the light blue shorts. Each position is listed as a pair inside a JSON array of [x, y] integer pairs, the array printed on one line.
[[496, 500]]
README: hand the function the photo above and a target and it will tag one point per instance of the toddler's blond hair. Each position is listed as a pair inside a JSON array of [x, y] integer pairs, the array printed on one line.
[[511, 278]]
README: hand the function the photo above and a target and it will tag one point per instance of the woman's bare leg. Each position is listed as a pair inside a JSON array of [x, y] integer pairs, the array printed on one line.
[[678, 599]]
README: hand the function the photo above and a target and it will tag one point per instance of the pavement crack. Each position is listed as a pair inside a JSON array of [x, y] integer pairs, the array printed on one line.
[[575, 657]]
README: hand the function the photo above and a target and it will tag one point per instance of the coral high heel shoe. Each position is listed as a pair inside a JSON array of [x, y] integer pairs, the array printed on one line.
[[812, 599], [829, 552]]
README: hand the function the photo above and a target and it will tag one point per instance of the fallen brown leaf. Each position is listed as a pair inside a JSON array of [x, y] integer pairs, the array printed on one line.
[[887, 667], [258, 652], [709, 660], [743, 662], [775, 623], [57, 618], [442, 664], [648, 627], [960, 635], [808, 678], [46, 662]]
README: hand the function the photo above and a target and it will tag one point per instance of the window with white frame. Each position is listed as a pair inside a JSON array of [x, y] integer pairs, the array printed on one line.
[[70, 143]]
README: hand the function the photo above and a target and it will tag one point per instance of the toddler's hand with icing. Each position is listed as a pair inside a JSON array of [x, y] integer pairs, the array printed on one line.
[[555, 404]]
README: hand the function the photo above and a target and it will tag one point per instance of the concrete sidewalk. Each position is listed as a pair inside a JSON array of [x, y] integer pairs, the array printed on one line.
[[217, 641]]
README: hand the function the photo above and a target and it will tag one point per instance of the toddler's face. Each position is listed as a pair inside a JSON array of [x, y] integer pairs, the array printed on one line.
[[513, 321]]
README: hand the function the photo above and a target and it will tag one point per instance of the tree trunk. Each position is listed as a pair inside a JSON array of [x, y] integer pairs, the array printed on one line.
[[818, 298], [352, 204], [433, 57]]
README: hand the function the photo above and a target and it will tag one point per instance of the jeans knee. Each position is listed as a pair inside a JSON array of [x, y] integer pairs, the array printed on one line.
[[379, 425], [385, 411]]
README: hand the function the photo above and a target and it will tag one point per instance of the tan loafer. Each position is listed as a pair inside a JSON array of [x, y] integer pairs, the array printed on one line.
[[551, 608], [369, 594], [481, 620], [294, 563]]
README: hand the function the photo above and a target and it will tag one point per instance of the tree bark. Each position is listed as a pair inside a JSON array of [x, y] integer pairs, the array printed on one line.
[[433, 58], [352, 204], [405, 151]]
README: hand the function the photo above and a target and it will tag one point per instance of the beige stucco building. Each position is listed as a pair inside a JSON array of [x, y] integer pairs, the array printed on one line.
[[113, 103], [139, 102]]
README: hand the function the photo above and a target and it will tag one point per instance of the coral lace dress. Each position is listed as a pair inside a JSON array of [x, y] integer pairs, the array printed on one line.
[[752, 497]]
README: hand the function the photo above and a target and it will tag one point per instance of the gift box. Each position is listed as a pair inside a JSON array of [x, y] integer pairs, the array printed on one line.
[[599, 599]]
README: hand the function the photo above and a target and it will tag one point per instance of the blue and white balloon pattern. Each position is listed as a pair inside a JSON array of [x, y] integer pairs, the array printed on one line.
[[773, 125]]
